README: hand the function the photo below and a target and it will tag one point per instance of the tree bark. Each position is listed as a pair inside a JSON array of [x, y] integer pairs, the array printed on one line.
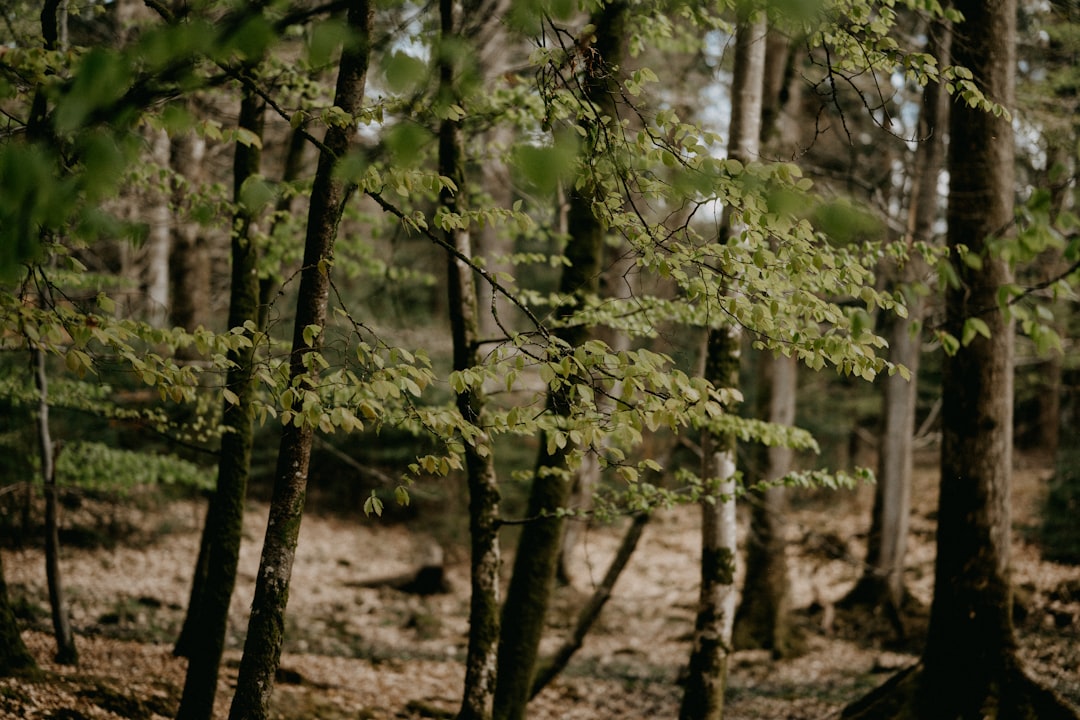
[[15, 659], [189, 261], [537, 553], [551, 667], [208, 616], [882, 582], [970, 668], [66, 653], [262, 648], [481, 658], [763, 617], [703, 697]]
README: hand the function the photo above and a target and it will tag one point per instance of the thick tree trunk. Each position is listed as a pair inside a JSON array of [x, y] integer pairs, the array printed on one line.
[[882, 582], [481, 658], [15, 659], [970, 668], [763, 618], [262, 648], [207, 619], [537, 553], [66, 653], [703, 697]]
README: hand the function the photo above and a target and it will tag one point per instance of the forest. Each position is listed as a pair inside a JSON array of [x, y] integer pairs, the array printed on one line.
[[505, 359]]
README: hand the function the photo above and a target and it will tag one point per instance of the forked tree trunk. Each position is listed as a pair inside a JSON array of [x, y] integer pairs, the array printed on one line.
[[703, 697], [266, 626], [208, 615], [970, 667], [882, 583], [483, 487], [537, 553]]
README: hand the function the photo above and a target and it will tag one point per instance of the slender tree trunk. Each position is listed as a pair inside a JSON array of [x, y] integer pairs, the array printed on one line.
[[15, 659], [66, 653], [222, 534], [554, 665], [882, 582], [537, 553], [159, 242], [262, 649], [703, 697], [970, 668], [763, 618], [189, 261], [480, 661]]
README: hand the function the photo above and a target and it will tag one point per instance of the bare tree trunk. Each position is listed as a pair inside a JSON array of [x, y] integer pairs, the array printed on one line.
[[763, 618], [262, 649], [481, 659], [159, 243], [970, 667], [189, 260], [15, 659], [220, 550], [882, 582], [66, 653], [550, 668], [537, 553], [703, 697]]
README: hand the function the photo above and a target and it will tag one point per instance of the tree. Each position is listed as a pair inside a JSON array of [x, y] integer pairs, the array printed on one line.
[[536, 558], [703, 697], [208, 613], [882, 583], [262, 648], [763, 618], [969, 667], [483, 486], [15, 659]]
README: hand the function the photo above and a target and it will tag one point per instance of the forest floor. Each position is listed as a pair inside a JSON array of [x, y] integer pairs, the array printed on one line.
[[373, 652]]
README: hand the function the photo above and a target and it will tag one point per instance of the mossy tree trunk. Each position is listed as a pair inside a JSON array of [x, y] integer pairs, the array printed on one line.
[[970, 667], [537, 555], [266, 626], [483, 487], [207, 619], [703, 697]]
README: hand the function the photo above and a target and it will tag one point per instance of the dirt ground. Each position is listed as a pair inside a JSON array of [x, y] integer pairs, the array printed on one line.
[[364, 653]]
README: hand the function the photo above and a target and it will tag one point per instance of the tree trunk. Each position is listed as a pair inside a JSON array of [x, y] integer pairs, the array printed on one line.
[[703, 697], [970, 668], [189, 261], [262, 648], [66, 653], [15, 659], [763, 620], [483, 487], [551, 668], [882, 582], [537, 553], [208, 615], [159, 242]]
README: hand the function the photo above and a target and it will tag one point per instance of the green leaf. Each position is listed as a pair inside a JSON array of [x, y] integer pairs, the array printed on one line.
[[373, 505], [404, 73], [974, 326]]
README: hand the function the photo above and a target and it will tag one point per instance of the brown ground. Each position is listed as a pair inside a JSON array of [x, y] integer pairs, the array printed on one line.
[[357, 652]]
